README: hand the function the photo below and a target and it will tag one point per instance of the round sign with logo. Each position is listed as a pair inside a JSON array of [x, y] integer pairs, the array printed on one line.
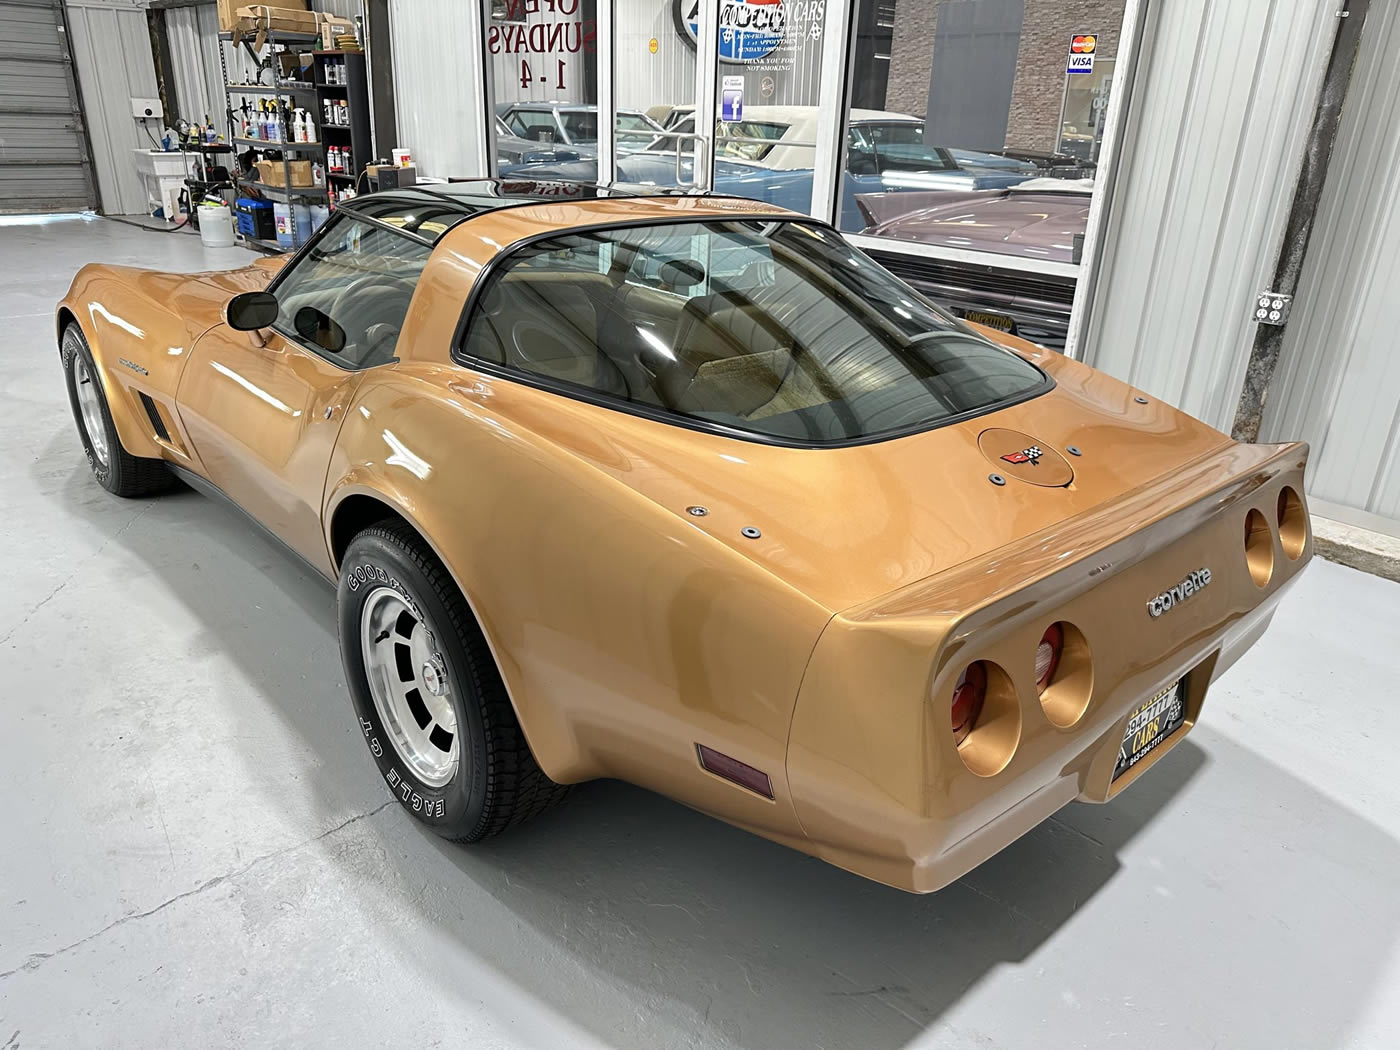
[[749, 30]]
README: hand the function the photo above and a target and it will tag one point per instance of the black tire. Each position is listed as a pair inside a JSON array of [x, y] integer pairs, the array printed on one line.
[[496, 783], [117, 471]]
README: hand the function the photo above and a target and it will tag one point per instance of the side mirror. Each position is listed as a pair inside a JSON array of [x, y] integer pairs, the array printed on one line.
[[249, 311], [316, 327]]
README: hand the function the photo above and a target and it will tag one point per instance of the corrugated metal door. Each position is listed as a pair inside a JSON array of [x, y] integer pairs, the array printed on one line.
[[43, 156], [1217, 129], [974, 67], [1338, 383]]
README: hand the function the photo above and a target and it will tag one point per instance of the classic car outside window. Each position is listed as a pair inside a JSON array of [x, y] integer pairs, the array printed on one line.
[[347, 297], [774, 329], [725, 146]]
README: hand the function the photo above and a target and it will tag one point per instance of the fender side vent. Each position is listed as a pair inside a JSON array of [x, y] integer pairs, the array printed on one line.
[[154, 413], [733, 770]]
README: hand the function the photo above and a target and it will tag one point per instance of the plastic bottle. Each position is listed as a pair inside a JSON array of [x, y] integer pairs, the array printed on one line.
[[282, 216]]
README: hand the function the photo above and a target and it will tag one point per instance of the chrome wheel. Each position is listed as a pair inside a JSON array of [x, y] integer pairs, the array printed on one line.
[[90, 404], [409, 683]]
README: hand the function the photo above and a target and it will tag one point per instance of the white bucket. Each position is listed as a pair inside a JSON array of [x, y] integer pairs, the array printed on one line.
[[215, 225]]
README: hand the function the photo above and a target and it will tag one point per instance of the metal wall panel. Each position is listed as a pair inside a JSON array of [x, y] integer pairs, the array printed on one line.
[[42, 155], [112, 51], [435, 105], [193, 33], [1221, 109], [1338, 383]]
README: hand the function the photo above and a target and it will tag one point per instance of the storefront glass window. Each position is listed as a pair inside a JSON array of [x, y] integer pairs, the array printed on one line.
[[769, 54], [975, 130], [543, 60]]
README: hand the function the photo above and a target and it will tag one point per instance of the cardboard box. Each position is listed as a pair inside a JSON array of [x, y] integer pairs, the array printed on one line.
[[270, 172], [228, 12], [332, 26], [257, 20], [295, 65]]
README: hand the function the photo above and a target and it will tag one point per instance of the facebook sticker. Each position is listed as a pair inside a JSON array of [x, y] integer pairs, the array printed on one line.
[[731, 100]]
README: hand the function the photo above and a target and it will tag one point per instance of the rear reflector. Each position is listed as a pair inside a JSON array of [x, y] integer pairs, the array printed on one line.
[[732, 769], [1047, 655], [968, 697]]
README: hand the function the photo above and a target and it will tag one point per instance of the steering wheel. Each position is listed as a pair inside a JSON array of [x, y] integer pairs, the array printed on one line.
[[365, 301]]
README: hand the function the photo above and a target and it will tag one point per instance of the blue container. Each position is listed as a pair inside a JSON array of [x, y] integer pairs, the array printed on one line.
[[254, 218]]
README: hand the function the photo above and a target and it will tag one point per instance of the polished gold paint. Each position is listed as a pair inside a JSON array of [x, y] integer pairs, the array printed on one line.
[[823, 653]]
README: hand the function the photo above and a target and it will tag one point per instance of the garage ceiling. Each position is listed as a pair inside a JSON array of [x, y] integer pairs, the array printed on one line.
[[43, 153]]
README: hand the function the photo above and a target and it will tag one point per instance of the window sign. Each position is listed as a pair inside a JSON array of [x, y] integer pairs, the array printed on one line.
[[731, 100], [542, 50], [749, 30], [1081, 54]]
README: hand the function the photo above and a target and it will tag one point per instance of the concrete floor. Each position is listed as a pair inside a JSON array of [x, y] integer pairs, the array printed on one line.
[[195, 850]]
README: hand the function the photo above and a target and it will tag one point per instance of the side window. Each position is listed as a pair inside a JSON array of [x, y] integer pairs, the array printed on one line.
[[347, 297]]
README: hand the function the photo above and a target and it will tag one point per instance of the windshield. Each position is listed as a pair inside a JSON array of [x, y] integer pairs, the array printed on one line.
[[770, 329]]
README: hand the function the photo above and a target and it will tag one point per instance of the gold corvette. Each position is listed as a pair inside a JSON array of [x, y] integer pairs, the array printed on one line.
[[688, 492]]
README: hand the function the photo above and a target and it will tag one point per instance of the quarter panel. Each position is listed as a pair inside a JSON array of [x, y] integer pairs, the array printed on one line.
[[625, 634]]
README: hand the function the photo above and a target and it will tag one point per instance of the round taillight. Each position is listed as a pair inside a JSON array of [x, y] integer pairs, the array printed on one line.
[[1047, 655], [968, 697]]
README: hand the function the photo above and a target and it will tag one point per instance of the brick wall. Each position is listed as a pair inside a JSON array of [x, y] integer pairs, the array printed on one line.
[[1039, 87], [911, 56]]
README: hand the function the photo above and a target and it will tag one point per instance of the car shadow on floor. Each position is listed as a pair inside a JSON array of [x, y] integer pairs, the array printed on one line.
[[737, 940]]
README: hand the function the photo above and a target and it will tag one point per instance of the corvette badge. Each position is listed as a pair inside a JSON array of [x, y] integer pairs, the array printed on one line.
[[1169, 599], [1026, 455]]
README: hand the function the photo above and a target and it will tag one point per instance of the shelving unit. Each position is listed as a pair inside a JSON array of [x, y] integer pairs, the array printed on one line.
[[353, 136], [286, 96]]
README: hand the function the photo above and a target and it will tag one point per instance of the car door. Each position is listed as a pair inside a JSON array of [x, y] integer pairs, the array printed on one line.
[[263, 409]]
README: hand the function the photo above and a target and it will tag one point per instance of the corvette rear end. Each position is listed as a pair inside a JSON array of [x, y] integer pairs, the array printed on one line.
[[940, 722]]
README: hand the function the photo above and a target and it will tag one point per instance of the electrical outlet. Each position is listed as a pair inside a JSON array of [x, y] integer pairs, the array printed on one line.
[[146, 108], [1272, 308]]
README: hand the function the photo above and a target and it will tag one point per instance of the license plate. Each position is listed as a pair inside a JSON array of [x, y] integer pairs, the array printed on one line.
[[1000, 322], [1149, 725]]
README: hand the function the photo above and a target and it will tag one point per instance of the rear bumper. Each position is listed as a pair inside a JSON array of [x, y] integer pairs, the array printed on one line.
[[879, 784]]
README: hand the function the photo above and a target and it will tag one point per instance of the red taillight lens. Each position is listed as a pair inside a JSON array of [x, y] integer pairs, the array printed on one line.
[[1047, 655], [968, 696]]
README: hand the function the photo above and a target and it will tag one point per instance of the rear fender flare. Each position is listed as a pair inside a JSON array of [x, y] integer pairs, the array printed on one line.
[[559, 763]]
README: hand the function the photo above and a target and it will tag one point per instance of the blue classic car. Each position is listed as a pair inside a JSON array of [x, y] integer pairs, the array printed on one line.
[[769, 156]]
